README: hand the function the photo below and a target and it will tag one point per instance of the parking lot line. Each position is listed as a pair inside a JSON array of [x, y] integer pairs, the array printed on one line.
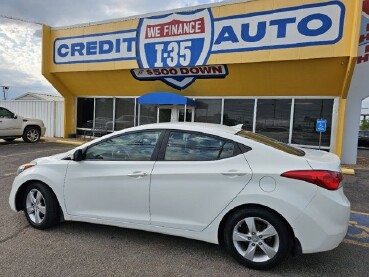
[[360, 213], [10, 174]]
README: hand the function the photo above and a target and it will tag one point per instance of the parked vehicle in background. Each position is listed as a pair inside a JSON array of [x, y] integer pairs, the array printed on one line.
[[13, 126], [259, 198], [363, 139]]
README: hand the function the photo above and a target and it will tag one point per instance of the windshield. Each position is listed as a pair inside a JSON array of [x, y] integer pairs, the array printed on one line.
[[272, 143]]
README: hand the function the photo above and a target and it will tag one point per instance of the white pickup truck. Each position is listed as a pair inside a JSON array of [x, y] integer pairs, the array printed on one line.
[[13, 126]]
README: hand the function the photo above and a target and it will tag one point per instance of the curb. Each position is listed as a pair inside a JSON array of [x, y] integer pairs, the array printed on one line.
[[348, 171], [70, 142], [64, 141]]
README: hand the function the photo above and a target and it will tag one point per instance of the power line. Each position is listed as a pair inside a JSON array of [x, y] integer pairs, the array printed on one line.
[[20, 19]]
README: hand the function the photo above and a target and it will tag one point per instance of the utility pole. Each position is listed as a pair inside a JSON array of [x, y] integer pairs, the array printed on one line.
[[5, 89]]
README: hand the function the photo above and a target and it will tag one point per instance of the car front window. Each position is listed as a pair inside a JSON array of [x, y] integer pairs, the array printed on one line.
[[127, 147]]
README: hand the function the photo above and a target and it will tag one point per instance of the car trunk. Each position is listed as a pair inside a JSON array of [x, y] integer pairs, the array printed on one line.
[[322, 160]]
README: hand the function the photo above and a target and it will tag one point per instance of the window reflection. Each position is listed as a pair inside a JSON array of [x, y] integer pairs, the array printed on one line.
[[124, 113], [273, 118], [239, 111], [208, 110], [196, 147], [85, 112], [306, 113]]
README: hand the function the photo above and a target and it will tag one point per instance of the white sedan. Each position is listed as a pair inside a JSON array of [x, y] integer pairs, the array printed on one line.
[[259, 198]]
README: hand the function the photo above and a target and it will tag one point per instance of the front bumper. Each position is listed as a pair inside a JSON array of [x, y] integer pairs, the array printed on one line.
[[323, 224]]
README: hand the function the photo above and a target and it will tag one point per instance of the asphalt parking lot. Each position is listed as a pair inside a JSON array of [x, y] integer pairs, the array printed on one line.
[[80, 249]]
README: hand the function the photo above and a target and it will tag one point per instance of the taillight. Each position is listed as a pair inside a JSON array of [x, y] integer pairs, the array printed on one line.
[[323, 178]]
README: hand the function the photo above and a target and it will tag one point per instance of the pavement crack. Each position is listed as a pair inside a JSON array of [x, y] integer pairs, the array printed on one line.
[[14, 235]]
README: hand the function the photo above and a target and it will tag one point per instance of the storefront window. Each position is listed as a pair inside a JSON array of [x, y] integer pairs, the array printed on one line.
[[85, 112], [239, 111], [148, 114], [273, 118], [208, 110], [104, 113], [124, 113], [306, 113]]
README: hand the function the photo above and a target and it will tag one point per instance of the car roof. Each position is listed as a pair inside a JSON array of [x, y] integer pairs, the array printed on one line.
[[188, 126]]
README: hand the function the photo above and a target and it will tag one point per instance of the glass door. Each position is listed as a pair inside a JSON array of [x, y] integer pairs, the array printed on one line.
[[189, 112], [164, 114]]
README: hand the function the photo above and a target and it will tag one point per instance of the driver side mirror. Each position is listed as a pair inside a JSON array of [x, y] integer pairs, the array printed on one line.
[[78, 155], [15, 116]]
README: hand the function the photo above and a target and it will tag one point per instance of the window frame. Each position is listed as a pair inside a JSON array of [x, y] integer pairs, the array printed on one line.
[[153, 157], [164, 144]]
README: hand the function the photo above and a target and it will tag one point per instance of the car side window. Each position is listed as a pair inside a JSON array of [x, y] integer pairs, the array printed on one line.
[[4, 113], [127, 147], [183, 146]]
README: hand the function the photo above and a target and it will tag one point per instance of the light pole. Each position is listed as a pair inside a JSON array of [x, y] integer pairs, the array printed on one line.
[[5, 89]]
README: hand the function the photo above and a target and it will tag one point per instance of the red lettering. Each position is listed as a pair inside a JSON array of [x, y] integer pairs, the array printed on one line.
[[205, 70], [184, 70], [217, 69], [364, 38], [363, 59], [175, 28]]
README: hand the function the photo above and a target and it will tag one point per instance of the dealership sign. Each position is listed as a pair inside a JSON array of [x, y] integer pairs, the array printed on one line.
[[188, 39]]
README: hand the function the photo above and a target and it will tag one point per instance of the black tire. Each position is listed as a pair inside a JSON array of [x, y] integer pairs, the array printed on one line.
[[258, 259], [31, 134], [9, 139], [47, 200]]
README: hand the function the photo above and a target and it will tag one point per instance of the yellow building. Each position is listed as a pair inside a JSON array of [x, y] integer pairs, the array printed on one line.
[[274, 66]]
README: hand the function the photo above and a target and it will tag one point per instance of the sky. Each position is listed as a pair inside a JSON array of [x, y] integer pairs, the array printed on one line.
[[20, 42]]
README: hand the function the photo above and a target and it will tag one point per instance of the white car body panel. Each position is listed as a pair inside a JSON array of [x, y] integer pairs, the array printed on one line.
[[318, 217], [198, 190], [103, 189], [11, 126]]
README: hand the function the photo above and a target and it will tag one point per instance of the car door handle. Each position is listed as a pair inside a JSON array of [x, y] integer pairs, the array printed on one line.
[[137, 174], [234, 173]]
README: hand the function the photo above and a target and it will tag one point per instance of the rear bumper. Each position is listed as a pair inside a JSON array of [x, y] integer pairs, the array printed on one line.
[[323, 224]]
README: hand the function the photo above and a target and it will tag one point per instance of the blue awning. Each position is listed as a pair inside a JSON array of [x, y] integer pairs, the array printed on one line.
[[165, 98]]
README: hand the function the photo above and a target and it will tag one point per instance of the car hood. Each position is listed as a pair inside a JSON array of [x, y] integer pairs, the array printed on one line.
[[322, 160], [53, 158]]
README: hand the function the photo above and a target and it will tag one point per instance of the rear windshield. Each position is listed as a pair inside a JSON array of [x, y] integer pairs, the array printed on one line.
[[272, 143]]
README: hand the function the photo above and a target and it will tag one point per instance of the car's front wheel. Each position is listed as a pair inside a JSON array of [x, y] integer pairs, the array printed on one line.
[[40, 206], [31, 134], [257, 238]]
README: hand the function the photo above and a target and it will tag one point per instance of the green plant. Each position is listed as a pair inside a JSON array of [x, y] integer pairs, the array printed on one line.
[[364, 124]]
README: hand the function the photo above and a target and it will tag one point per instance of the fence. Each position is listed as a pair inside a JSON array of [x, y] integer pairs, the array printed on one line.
[[50, 112]]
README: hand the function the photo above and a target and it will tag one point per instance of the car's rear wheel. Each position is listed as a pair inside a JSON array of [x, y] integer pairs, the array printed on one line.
[[40, 206], [31, 134], [9, 139], [257, 238]]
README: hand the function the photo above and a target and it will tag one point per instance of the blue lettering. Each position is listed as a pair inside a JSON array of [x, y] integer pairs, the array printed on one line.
[[226, 34], [282, 25], [260, 32], [304, 29], [91, 48], [77, 47], [62, 53], [117, 45], [129, 42], [106, 47]]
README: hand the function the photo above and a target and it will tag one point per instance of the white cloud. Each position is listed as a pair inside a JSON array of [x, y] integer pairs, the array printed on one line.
[[20, 42]]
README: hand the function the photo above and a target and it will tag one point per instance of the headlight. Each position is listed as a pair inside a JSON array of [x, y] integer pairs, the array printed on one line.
[[24, 167]]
